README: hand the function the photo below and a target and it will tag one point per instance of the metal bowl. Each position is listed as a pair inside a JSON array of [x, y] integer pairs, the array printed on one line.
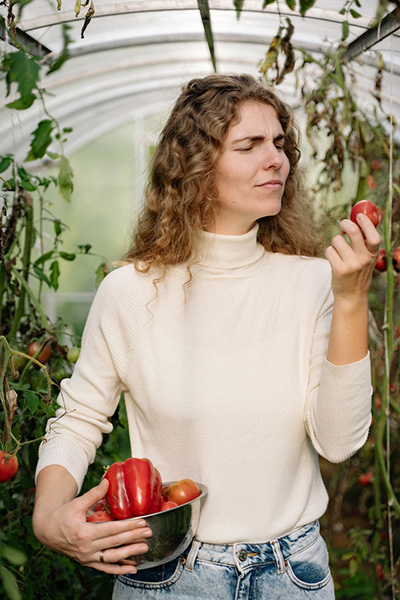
[[173, 530]]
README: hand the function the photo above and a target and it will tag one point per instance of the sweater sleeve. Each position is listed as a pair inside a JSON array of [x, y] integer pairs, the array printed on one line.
[[338, 404], [89, 398]]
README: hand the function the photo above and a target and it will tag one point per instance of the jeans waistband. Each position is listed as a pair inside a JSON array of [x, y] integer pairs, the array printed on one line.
[[244, 554]]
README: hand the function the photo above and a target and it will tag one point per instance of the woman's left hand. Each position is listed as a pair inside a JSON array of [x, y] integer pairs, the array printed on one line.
[[353, 264]]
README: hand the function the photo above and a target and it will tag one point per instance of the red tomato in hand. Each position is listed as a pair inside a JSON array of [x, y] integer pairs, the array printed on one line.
[[8, 466], [381, 262], [99, 516], [368, 208], [44, 355], [183, 491]]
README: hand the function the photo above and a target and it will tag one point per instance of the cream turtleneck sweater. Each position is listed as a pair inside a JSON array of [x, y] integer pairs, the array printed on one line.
[[225, 382]]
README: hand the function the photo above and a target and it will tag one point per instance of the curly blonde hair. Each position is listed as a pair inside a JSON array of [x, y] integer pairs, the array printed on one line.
[[180, 194]]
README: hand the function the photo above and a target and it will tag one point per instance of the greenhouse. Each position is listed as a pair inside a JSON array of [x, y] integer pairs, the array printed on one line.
[[87, 90]]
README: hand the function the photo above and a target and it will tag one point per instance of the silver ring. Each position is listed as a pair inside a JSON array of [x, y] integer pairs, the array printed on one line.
[[101, 556]]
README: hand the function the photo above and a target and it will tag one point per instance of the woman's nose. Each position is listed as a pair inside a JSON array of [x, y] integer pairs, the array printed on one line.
[[273, 158]]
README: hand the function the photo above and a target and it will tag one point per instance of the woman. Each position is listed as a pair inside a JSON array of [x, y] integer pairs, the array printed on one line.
[[241, 354]]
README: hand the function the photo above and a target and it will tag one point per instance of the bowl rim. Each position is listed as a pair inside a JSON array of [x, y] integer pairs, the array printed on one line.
[[203, 493]]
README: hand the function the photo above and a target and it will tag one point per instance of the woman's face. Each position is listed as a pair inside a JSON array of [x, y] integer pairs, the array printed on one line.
[[251, 172]]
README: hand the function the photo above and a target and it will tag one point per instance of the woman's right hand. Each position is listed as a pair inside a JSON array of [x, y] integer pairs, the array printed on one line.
[[64, 528]]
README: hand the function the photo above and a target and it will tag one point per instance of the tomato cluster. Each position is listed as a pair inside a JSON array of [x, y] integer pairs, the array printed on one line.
[[135, 489]]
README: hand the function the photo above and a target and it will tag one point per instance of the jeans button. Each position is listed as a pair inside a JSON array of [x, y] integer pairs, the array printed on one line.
[[242, 555]]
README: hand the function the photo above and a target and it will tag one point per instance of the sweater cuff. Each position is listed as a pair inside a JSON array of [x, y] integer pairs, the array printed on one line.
[[65, 453], [363, 364]]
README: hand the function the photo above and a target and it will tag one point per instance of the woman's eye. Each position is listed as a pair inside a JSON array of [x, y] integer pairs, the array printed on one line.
[[245, 149]]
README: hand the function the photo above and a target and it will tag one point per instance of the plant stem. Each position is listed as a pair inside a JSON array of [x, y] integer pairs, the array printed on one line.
[[26, 258]]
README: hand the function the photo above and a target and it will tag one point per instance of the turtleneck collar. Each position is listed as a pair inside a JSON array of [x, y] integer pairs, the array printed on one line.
[[229, 251]]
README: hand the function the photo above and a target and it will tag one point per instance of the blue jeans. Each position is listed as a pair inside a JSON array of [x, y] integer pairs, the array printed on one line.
[[293, 567]]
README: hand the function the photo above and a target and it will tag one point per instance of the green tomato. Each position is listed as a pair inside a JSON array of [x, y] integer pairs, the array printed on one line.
[[73, 354]]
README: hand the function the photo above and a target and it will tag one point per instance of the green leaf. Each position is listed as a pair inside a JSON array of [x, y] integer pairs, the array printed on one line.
[[65, 179], [67, 255], [28, 186], [10, 584], [342, 12], [42, 259], [266, 2], [41, 139], [238, 4], [23, 70], [85, 248], [5, 162], [291, 4], [54, 274], [354, 14], [42, 275], [57, 227], [345, 30], [305, 5], [13, 555], [32, 402]]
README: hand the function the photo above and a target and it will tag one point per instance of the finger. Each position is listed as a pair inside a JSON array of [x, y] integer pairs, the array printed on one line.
[[112, 539], [371, 235], [121, 554], [97, 493], [365, 234]]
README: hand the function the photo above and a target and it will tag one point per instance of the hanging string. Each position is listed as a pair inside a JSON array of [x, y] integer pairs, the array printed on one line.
[[388, 412]]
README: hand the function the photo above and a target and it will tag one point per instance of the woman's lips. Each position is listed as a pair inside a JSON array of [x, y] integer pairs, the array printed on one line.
[[274, 185]]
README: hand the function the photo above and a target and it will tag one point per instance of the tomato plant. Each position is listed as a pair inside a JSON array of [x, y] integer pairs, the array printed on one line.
[[8, 466], [368, 208], [44, 351], [183, 491]]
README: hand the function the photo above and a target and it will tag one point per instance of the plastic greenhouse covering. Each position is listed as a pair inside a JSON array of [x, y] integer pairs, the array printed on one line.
[[132, 57]]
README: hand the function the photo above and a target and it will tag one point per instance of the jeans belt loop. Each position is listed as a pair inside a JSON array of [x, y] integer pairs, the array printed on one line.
[[191, 557], [280, 561]]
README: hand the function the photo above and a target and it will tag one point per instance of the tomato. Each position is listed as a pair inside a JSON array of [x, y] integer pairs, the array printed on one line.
[[368, 208], [366, 478], [371, 183], [169, 504], [8, 466], [376, 165], [164, 491], [44, 354], [73, 354], [183, 491], [381, 261], [99, 516], [396, 259]]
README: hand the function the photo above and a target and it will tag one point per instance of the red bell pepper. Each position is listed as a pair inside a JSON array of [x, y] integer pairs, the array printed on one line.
[[134, 489]]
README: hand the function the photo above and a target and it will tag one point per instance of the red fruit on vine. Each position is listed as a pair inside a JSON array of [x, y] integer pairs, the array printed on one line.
[[45, 353], [378, 402], [371, 183], [368, 208], [381, 264], [366, 478], [8, 466], [396, 259], [376, 165], [380, 571]]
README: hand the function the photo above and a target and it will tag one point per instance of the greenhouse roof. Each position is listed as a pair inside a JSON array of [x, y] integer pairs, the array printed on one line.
[[134, 56]]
